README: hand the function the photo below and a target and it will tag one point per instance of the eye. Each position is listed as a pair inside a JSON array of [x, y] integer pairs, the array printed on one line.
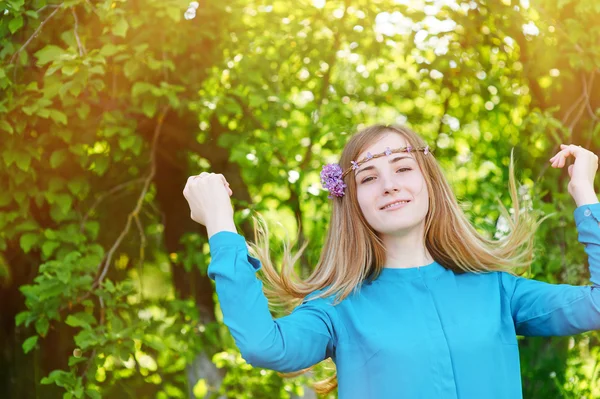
[[399, 170]]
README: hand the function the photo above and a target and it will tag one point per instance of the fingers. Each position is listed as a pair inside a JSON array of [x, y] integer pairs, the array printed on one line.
[[226, 184], [204, 175], [559, 160]]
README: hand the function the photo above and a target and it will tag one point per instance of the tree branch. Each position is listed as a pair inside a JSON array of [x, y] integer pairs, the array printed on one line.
[[140, 228], [586, 92], [106, 194], [147, 181], [82, 49], [35, 33]]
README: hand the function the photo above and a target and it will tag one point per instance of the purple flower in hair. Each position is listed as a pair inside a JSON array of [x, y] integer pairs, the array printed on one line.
[[388, 151], [426, 150], [354, 165], [369, 155], [409, 149], [331, 178]]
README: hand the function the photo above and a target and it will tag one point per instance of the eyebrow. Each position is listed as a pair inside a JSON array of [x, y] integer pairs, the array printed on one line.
[[391, 161]]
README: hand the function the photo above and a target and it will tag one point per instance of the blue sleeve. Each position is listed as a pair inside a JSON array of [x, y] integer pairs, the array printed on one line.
[[543, 309], [291, 343]]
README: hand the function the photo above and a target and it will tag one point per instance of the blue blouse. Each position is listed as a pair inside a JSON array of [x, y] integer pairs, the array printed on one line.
[[421, 332]]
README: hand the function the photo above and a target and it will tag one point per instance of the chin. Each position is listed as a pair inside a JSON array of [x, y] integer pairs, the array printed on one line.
[[398, 229]]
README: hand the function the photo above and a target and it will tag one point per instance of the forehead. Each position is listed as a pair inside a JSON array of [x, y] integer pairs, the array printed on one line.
[[391, 139]]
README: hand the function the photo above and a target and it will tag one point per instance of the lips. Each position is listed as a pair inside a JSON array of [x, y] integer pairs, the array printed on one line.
[[401, 201]]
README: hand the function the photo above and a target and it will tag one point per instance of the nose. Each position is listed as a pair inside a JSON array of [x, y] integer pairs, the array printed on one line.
[[390, 184], [390, 189]]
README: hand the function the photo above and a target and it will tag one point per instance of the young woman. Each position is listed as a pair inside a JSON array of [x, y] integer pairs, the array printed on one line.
[[408, 299]]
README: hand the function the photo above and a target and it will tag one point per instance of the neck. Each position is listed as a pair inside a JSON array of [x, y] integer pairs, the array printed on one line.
[[406, 249]]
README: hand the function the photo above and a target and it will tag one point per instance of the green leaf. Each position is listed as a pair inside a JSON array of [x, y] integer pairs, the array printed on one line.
[[43, 113], [85, 338], [41, 326], [93, 394], [109, 286], [23, 160], [59, 377], [83, 111], [76, 360], [48, 54], [58, 116], [93, 228], [109, 50], [50, 234], [149, 107], [8, 157], [74, 321], [126, 142], [32, 14], [63, 275], [28, 240], [120, 28], [57, 158], [5, 198], [69, 70], [100, 165], [30, 343], [16, 4], [64, 201], [51, 289], [76, 186], [15, 24], [137, 145], [96, 70], [32, 86], [27, 225], [21, 317], [4, 125], [130, 69], [140, 88], [48, 248], [29, 109]]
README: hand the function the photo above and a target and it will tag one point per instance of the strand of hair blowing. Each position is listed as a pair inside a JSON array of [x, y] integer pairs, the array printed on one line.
[[353, 252]]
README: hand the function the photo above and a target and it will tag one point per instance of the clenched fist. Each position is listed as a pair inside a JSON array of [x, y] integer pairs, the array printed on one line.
[[208, 197]]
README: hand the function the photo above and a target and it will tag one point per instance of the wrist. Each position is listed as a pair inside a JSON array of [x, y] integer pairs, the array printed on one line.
[[585, 197], [215, 225]]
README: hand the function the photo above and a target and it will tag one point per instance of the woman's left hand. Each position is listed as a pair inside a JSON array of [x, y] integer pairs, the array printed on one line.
[[581, 172]]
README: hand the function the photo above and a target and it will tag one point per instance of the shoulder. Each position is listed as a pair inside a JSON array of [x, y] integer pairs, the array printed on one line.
[[501, 281], [322, 297]]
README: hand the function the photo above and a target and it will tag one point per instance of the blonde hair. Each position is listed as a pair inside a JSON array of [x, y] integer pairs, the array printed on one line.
[[353, 251]]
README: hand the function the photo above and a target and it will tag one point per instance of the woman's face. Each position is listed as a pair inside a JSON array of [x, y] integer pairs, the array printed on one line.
[[389, 179]]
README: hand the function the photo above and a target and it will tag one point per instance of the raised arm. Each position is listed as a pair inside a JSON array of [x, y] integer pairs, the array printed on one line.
[[543, 309], [299, 340], [540, 308]]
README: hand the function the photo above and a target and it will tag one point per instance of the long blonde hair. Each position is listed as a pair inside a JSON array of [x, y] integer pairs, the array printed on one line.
[[353, 251]]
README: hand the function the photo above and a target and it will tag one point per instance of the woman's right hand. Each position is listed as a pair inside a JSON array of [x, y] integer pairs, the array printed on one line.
[[208, 197]]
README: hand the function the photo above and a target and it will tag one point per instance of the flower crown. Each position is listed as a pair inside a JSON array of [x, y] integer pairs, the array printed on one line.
[[332, 175]]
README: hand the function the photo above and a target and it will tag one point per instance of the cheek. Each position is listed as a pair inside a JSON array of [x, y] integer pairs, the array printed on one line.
[[417, 184], [363, 198], [360, 197]]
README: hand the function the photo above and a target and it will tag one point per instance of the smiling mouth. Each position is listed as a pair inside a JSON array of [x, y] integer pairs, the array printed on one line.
[[395, 205]]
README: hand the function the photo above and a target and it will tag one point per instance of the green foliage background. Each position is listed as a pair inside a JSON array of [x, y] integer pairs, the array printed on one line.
[[106, 107]]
